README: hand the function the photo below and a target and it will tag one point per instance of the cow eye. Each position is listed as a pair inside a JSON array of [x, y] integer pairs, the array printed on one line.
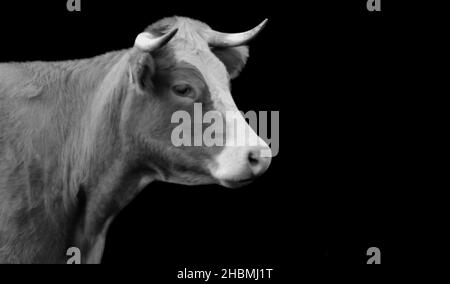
[[182, 90]]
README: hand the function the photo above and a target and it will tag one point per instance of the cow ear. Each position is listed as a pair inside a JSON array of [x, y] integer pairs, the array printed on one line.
[[142, 68], [234, 58]]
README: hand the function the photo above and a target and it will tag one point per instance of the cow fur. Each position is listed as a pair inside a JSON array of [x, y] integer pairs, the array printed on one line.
[[50, 146], [66, 166]]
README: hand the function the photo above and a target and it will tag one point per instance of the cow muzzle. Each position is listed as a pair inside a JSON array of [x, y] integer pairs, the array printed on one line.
[[244, 157], [238, 166]]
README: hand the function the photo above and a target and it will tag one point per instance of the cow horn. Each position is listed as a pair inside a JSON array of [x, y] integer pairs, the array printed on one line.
[[148, 42], [219, 39]]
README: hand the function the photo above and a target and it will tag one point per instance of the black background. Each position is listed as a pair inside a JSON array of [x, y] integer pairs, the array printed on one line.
[[328, 67]]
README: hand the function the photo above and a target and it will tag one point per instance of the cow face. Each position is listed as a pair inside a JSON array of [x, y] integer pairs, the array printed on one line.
[[182, 66]]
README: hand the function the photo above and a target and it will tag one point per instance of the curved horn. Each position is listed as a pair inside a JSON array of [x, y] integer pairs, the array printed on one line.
[[148, 42], [219, 39]]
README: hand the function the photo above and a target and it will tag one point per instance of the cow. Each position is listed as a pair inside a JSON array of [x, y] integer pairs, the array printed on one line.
[[80, 139]]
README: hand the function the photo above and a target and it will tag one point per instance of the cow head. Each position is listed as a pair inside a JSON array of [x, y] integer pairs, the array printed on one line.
[[177, 64]]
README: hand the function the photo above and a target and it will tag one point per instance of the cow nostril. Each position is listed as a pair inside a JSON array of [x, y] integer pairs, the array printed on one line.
[[258, 164], [253, 158]]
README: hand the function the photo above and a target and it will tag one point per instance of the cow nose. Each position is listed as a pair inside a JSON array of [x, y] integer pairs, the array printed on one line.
[[238, 166], [258, 160]]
